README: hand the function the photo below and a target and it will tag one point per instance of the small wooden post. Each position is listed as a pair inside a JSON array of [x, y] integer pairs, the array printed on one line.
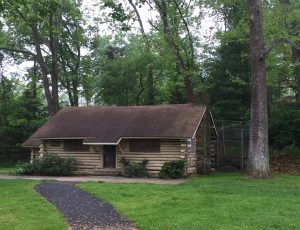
[[242, 142]]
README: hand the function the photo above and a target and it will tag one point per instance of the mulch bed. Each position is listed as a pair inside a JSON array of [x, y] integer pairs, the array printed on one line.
[[81, 210]]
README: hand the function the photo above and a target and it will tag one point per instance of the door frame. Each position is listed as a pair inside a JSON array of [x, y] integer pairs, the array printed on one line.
[[103, 157]]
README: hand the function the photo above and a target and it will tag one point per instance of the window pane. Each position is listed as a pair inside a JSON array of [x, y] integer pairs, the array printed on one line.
[[75, 145], [55, 143], [144, 145]]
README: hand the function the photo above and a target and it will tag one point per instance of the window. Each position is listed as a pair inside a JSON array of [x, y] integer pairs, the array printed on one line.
[[144, 145], [75, 146], [55, 143]]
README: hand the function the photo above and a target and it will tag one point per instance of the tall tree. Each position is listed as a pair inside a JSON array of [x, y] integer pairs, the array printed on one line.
[[22, 111], [228, 64], [172, 26], [171, 33], [34, 30], [72, 40], [291, 25], [258, 158], [150, 77], [51, 34]]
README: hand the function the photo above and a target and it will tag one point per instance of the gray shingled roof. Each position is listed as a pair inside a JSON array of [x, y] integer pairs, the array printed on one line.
[[109, 124]]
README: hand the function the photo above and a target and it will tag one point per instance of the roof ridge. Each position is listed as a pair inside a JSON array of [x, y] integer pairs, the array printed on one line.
[[133, 106]]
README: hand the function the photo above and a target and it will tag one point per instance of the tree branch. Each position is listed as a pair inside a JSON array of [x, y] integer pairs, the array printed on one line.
[[10, 49], [153, 26], [138, 17], [188, 31], [273, 44]]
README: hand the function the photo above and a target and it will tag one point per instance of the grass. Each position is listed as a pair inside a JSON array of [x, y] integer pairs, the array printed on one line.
[[6, 169], [21, 208], [6, 166], [222, 201]]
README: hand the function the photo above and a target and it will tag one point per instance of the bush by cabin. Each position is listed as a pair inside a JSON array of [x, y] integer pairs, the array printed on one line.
[[99, 137]]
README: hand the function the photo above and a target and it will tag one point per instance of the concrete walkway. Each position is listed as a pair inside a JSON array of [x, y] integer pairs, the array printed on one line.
[[108, 179]]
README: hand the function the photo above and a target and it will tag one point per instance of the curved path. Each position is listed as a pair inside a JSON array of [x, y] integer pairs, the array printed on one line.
[[82, 210]]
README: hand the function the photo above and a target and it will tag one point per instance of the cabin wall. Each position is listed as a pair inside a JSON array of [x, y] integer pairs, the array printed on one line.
[[205, 140], [88, 161], [92, 160], [35, 153], [191, 157], [169, 150]]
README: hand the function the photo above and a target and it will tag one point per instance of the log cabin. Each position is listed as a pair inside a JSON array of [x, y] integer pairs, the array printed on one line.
[[99, 137]]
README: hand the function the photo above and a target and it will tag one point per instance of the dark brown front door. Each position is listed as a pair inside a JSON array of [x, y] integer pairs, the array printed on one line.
[[109, 156]]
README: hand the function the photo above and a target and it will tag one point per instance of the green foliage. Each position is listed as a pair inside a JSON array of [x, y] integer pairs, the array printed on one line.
[[284, 126], [118, 13], [21, 113], [172, 169], [134, 169], [49, 165], [227, 66], [229, 81], [21, 168], [59, 29], [127, 72], [288, 152]]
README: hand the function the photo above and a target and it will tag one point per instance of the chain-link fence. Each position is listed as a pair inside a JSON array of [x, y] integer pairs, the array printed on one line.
[[233, 145]]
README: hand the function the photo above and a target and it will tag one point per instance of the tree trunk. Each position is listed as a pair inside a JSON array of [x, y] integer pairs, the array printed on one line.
[[258, 159], [298, 85], [75, 92], [53, 106], [54, 24], [51, 94]]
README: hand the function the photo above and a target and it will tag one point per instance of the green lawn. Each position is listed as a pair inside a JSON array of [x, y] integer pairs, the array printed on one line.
[[222, 201], [6, 169], [21, 208]]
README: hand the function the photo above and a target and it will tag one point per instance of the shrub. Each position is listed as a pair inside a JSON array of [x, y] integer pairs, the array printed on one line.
[[49, 165], [23, 169], [172, 169], [134, 169], [290, 151]]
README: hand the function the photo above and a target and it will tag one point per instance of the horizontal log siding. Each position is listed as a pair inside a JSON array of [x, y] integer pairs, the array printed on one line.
[[88, 161], [169, 150]]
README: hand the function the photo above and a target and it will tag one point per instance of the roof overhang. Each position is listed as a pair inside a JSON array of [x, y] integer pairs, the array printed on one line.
[[120, 139], [199, 123]]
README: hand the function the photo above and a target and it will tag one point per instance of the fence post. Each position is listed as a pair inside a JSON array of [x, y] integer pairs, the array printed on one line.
[[223, 137], [242, 140], [218, 147]]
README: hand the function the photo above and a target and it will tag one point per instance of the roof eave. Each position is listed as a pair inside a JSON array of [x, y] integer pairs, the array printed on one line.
[[199, 123], [120, 139]]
